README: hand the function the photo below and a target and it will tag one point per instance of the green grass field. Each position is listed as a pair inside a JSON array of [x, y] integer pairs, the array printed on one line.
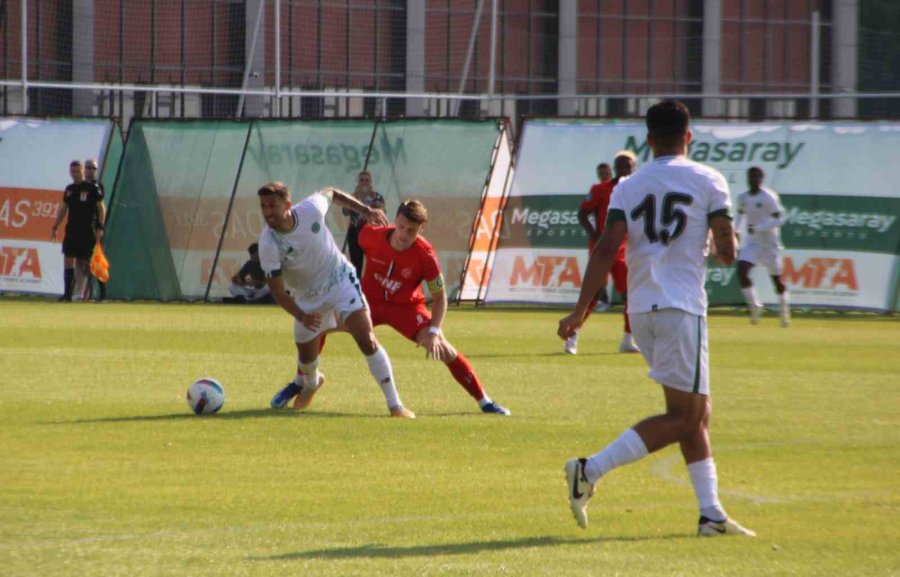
[[103, 470]]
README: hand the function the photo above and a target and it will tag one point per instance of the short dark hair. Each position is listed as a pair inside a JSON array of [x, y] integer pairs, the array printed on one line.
[[756, 169], [414, 211], [602, 164], [253, 248], [74, 163], [275, 187], [668, 120]]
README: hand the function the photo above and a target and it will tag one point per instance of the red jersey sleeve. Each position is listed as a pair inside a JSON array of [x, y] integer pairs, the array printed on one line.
[[431, 266], [592, 199]]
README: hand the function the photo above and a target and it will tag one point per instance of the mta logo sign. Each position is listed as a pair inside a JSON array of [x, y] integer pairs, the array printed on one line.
[[546, 271], [20, 262], [821, 273]]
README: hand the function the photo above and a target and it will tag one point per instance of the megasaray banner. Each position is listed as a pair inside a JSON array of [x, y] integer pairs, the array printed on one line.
[[34, 171], [837, 182]]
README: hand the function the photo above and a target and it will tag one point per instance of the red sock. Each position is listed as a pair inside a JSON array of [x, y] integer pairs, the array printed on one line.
[[627, 322], [465, 375]]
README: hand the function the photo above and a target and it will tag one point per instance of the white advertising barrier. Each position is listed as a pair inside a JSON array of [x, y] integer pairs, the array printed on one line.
[[831, 279], [34, 170], [487, 229], [830, 212]]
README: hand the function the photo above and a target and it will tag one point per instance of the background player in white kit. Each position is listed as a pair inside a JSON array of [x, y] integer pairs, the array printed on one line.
[[298, 254], [760, 209], [666, 209]]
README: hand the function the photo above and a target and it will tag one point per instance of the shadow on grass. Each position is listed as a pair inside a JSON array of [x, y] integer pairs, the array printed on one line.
[[467, 548], [258, 414], [523, 355], [227, 415]]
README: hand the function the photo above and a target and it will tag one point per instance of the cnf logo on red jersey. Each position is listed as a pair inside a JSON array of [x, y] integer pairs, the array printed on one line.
[[20, 262], [391, 286], [546, 271]]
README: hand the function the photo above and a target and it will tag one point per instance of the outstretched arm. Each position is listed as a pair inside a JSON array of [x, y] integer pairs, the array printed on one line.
[[349, 202]]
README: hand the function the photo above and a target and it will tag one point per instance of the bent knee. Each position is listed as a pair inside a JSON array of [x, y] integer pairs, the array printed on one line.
[[367, 343]]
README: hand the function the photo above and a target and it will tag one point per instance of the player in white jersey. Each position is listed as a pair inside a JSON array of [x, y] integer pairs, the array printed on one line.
[[760, 209], [667, 209], [311, 280]]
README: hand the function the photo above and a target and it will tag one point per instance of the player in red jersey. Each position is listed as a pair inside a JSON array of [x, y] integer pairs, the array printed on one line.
[[597, 202], [397, 261]]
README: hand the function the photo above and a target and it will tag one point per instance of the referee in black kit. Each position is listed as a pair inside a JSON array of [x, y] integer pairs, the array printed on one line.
[[83, 202]]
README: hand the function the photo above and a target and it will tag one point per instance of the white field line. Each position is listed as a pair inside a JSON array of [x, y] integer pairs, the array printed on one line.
[[663, 469]]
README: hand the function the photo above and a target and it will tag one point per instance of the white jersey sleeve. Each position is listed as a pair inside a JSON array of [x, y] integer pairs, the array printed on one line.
[[319, 202], [269, 257], [719, 203]]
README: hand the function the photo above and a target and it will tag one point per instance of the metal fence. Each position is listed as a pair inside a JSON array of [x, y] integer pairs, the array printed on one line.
[[440, 58]]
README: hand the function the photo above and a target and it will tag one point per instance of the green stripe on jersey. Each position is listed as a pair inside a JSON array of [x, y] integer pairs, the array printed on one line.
[[615, 215], [723, 212], [697, 361]]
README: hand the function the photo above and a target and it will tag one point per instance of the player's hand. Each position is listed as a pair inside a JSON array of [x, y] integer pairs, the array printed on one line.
[[569, 324], [312, 321], [375, 216], [436, 347], [53, 233], [98, 234]]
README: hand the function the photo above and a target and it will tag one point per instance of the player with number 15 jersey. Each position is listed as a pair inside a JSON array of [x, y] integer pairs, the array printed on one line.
[[669, 199]]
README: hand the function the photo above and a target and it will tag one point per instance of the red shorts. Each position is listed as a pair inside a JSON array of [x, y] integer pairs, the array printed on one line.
[[406, 319]]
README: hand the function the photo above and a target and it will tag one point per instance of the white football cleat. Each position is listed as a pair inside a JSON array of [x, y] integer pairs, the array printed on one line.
[[709, 528], [401, 412], [628, 344], [755, 313], [571, 346], [305, 396], [580, 490]]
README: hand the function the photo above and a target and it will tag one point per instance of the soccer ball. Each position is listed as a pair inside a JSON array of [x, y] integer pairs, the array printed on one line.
[[205, 396]]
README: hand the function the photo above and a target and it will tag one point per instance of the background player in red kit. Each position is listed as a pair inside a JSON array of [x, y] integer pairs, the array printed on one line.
[[397, 261], [597, 202]]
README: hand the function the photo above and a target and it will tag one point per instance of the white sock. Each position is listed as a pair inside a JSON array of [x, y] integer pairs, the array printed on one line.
[[310, 373], [574, 337], [783, 299], [706, 488], [299, 379], [380, 367], [627, 448], [750, 297], [486, 400]]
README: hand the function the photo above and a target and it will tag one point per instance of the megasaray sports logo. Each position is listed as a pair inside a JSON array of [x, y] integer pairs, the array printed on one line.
[[822, 219]]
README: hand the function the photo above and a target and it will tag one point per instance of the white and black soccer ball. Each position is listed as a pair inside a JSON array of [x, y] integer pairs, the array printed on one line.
[[205, 396]]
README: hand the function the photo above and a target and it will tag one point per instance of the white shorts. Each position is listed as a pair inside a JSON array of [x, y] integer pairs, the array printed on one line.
[[761, 255], [342, 299], [675, 345]]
